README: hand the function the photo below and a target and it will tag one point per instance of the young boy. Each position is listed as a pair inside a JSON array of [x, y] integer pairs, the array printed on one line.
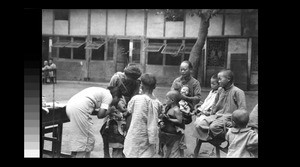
[[171, 135], [204, 110], [241, 138], [142, 135]]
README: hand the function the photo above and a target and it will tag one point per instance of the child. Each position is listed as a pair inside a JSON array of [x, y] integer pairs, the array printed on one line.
[[203, 110], [171, 135], [142, 135], [205, 107], [240, 137], [183, 105]]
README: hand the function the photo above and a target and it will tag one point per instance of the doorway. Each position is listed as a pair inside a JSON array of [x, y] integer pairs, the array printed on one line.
[[122, 54], [239, 66]]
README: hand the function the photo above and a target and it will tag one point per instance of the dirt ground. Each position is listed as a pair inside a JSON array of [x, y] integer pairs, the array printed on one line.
[[64, 90]]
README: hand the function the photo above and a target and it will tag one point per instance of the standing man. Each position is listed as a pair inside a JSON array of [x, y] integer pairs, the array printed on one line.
[[52, 68]]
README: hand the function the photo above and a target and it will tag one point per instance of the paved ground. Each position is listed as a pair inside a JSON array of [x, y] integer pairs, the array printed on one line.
[[64, 90]]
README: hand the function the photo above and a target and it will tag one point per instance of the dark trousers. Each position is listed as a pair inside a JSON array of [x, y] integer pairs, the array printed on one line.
[[116, 152], [105, 142]]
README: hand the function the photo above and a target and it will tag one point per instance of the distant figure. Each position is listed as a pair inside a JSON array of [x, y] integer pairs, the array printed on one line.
[[45, 72], [142, 135], [241, 138], [52, 74]]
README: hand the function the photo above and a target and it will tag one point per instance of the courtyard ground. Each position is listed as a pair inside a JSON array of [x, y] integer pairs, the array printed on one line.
[[64, 90]]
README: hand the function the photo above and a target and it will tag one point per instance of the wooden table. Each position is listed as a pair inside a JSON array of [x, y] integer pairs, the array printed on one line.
[[52, 122]]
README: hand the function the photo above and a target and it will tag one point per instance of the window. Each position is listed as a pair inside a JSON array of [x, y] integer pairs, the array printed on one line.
[[78, 51], [63, 51], [110, 49], [98, 48], [174, 15], [254, 62], [155, 58], [61, 14], [173, 60], [189, 44], [250, 26], [172, 47], [216, 53], [186, 57], [136, 52]]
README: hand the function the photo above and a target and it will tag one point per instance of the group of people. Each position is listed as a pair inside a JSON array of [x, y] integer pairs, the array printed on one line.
[[48, 71], [137, 124]]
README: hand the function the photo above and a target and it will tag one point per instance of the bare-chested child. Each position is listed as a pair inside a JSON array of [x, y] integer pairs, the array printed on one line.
[[171, 136]]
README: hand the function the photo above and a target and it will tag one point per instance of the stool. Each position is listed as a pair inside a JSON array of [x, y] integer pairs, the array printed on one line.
[[216, 142]]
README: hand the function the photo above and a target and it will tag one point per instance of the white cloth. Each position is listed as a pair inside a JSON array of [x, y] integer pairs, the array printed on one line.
[[142, 134], [208, 102]]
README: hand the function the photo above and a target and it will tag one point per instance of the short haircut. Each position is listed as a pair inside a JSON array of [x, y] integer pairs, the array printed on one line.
[[240, 118], [189, 63], [229, 74], [177, 86], [214, 76], [174, 96], [148, 80]]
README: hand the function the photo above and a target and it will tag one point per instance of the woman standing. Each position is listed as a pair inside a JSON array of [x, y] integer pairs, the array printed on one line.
[[90, 101]]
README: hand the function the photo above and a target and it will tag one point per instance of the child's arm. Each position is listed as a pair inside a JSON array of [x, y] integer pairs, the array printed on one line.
[[178, 115]]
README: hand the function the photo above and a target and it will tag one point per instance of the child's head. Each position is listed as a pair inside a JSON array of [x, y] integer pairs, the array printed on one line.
[[184, 90], [148, 81], [214, 84], [177, 86], [225, 78], [240, 118], [173, 96]]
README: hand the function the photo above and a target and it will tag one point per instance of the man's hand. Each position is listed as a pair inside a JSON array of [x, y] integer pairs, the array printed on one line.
[[228, 124]]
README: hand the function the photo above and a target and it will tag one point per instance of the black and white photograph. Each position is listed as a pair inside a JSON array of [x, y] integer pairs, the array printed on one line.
[[149, 83]]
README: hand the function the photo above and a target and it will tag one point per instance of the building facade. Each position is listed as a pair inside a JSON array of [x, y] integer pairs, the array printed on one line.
[[92, 44]]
